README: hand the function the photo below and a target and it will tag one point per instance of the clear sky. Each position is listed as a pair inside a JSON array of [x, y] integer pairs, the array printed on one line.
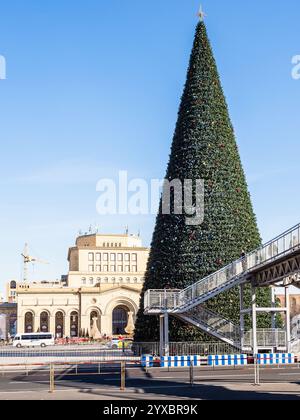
[[93, 87]]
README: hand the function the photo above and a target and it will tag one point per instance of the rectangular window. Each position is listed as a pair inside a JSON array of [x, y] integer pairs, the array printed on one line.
[[134, 268], [91, 268], [98, 257], [113, 268], [98, 268], [105, 257], [127, 269], [134, 257], [120, 268], [127, 257], [83, 281], [91, 256], [91, 281], [112, 257], [120, 257], [105, 268]]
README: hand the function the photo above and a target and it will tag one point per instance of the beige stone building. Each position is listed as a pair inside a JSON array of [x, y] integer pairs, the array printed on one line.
[[11, 292], [103, 286]]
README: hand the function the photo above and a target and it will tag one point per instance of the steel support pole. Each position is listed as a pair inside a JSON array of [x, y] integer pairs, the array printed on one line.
[[254, 322], [123, 376], [166, 331], [161, 334], [192, 374], [242, 316], [273, 306], [288, 319], [52, 379]]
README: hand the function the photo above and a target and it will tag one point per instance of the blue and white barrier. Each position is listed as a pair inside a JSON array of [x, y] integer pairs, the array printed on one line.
[[147, 361], [228, 360], [276, 359], [180, 361]]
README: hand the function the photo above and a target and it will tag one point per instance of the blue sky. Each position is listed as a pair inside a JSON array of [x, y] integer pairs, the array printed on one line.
[[93, 87]]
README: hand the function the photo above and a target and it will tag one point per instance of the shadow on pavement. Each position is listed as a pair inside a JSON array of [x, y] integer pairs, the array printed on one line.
[[146, 386]]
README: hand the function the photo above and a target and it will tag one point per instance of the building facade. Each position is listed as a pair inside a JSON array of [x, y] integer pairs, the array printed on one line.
[[8, 320], [103, 287], [11, 292], [295, 314]]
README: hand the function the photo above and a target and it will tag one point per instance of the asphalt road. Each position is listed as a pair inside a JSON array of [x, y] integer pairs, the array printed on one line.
[[218, 384]]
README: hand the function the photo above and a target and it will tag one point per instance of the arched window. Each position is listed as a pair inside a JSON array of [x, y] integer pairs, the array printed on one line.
[[59, 325], [120, 320], [74, 324], [13, 285], [44, 322], [29, 323]]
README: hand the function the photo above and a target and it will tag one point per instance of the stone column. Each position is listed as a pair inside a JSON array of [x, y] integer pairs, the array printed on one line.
[[67, 326], [36, 322], [85, 323], [20, 324], [52, 324], [106, 325]]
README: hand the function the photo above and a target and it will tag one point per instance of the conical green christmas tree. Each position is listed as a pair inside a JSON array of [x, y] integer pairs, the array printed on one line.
[[204, 147]]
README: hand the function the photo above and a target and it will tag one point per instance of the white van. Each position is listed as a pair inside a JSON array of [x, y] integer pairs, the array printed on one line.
[[34, 340]]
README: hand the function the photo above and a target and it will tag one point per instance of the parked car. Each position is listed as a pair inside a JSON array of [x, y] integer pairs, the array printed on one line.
[[118, 344]]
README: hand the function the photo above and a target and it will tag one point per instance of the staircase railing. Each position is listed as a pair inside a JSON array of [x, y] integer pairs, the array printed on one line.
[[214, 322], [227, 276], [276, 248]]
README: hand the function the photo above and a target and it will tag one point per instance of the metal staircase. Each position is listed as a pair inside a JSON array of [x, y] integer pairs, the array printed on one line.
[[213, 324], [182, 303]]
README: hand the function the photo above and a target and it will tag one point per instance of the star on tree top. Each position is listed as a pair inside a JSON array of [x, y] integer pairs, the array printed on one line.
[[201, 14]]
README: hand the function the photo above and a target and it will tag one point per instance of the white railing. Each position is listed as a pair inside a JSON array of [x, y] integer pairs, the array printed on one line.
[[284, 244], [266, 338], [215, 322], [275, 249], [161, 300]]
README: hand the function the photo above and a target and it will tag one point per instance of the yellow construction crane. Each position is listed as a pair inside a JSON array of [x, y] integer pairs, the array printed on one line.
[[28, 259]]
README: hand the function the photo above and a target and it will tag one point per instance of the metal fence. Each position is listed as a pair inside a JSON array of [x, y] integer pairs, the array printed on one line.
[[267, 338], [37, 356], [132, 353], [185, 349]]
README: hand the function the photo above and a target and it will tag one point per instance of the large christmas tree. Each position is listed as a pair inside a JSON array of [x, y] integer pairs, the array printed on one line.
[[204, 147]]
